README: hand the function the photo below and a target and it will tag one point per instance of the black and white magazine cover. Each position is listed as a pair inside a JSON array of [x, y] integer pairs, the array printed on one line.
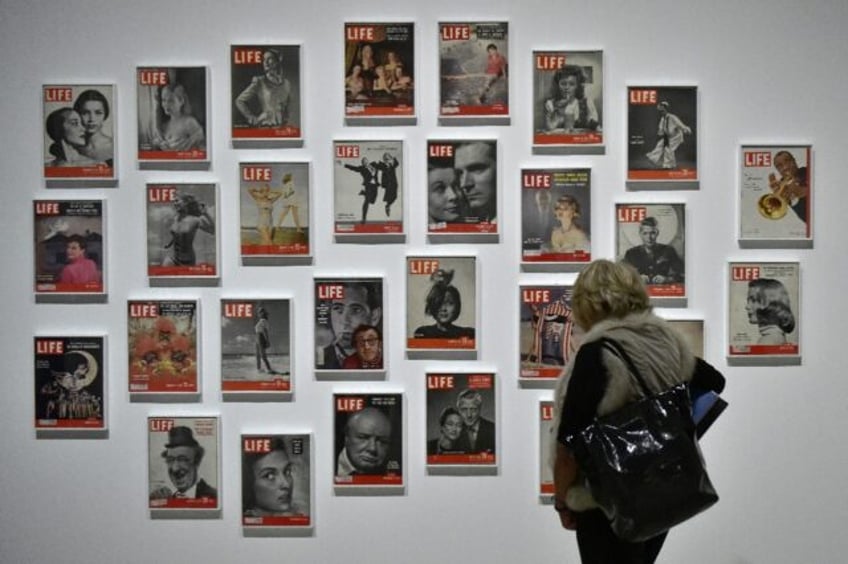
[[568, 94], [652, 239], [546, 473], [172, 114], [349, 324], [764, 313], [256, 346], [692, 331], [368, 187], [265, 91], [183, 465], [775, 192], [662, 137], [368, 445], [556, 218], [70, 383], [276, 480], [461, 419], [79, 131]]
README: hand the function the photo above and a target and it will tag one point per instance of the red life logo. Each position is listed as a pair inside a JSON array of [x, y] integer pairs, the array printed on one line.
[[144, 310], [629, 214], [152, 77], [244, 56], [643, 97], [423, 266], [360, 33], [547, 412], [331, 291], [535, 296], [456, 32], [743, 273], [350, 404], [160, 194], [440, 382], [58, 94], [238, 309], [253, 173], [347, 151], [160, 425], [536, 179], [438, 150], [549, 61], [46, 208], [49, 346], [757, 158], [254, 444]]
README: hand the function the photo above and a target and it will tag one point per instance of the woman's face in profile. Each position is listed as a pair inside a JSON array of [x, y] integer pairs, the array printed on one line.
[[269, 62], [568, 86], [447, 311], [452, 427], [73, 131], [443, 202], [93, 115], [752, 305], [272, 482]]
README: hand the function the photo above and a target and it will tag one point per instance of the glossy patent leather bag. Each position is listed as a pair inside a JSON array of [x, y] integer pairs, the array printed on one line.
[[642, 462]]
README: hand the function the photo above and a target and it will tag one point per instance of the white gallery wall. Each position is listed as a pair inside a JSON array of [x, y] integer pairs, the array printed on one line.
[[767, 72]]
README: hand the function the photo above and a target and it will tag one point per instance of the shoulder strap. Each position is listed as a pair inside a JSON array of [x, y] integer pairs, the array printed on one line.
[[618, 351]]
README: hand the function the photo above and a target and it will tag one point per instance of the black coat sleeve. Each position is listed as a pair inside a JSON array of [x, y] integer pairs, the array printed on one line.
[[706, 377], [585, 390]]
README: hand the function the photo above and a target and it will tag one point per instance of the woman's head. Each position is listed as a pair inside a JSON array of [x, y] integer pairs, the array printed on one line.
[[443, 301], [65, 125], [450, 423], [569, 82], [175, 100], [443, 191], [607, 289], [268, 479], [567, 209], [93, 109], [187, 205], [272, 60], [262, 313], [768, 304]]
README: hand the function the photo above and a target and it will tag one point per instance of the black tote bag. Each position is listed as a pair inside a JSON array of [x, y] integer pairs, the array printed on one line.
[[642, 462]]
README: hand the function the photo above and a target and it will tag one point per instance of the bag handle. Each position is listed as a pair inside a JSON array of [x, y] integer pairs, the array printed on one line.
[[617, 350]]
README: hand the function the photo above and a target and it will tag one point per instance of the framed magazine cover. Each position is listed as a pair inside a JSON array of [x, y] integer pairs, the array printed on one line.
[[441, 307], [556, 219], [184, 467], [69, 246], [379, 80], [474, 73], [265, 83], [775, 196], [693, 331], [568, 96], [163, 350], [462, 423], [275, 210], [70, 386], [764, 313], [276, 484], [662, 138], [368, 443], [173, 118], [546, 333], [80, 127], [256, 349], [546, 472], [182, 235], [652, 239], [368, 191]]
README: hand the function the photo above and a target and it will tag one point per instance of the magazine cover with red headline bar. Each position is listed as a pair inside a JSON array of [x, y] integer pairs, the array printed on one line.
[[461, 420], [473, 67], [276, 481], [441, 303], [546, 427], [546, 331], [368, 439]]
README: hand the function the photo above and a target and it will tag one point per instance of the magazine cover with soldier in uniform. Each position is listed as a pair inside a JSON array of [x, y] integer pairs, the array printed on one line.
[[461, 420]]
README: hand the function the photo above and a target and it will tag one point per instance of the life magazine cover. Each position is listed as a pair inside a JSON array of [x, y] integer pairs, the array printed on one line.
[[379, 63], [546, 427], [568, 94], [276, 480], [368, 187], [662, 133], [652, 239], [162, 343], [79, 131], [183, 463], [473, 68], [441, 303], [172, 114], [349, 324], [274, 209], [368, 445], [556, 224], [70, 376], [182, 239], [256, 345], [775, 190], [764, 309], [265, 92], [546, 331], [461, 419], [70, 247], [462, 186]]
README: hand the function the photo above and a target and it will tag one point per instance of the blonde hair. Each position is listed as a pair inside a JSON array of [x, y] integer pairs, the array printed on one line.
[[607, 289]]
